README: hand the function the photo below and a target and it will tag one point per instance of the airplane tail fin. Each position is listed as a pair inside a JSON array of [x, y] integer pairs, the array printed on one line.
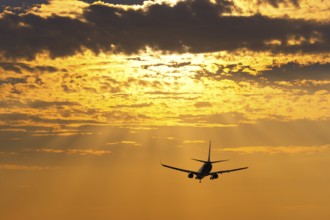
[[209, 158]]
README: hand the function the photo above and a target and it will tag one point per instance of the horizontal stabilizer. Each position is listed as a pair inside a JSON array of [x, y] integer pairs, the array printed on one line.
[[203, 161], [218, 161]]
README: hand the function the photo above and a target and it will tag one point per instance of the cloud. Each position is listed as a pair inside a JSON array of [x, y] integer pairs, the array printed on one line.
[[8, 153], [45, 104], [22, 130], [310, 77], [74, 151], [294, 71], [195, 26], [18, 67], [134, 143], [15, 67], [262, 133], [38, 104], [173, 95], [274, 3], [122, 2], [193, 142], [21, 31], [290, 71], [200, 29], [203, 104], [19, 6], [140, 105], [26, 167], [278, 149], [227, 118], [172, 64], [277, 3], [165, 138], [13, 80], [14, 117], [119, 116]]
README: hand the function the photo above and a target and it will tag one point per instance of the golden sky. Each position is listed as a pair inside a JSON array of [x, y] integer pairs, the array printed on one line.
[[94, 94]]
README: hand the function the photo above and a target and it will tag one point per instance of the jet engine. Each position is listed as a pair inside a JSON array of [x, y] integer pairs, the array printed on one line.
[[190, 175], [214, 176]]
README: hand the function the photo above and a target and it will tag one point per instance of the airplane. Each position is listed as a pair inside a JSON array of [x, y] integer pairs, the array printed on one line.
[[205, 169]]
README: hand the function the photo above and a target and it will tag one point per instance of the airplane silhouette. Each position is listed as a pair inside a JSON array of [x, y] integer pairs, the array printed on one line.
[[205, 169]]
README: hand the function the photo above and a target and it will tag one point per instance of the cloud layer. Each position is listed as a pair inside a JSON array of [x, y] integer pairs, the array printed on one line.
[[20, 5], [189, 26]]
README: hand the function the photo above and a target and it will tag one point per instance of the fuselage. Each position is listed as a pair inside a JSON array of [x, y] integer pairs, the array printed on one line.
[[204, 170]]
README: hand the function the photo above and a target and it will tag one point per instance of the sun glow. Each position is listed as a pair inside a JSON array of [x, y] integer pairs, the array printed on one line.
[[153, 88]]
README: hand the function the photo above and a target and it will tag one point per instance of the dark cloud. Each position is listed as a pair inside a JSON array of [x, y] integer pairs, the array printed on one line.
[[193, 25], [59, 35], [173, 95], [294, 71], [291, 72], [15, 67], [121, 2], [44, 104], [171, 64], [18, 67], [232, 71], [48, 69], [20, 5], [10, 104], [300, 76], [13, 81], [288, 72], [274, 3]]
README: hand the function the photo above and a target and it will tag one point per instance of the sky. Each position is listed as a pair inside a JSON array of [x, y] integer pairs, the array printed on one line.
[[94, 95]]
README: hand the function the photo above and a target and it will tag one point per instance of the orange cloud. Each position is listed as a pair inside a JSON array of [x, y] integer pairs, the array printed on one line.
[[134, 143], [75, 151], [25, 167], [193, 141], [278, 150]]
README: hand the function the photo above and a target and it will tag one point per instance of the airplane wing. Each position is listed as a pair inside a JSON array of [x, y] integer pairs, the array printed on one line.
[[228, 171], [179, 169]]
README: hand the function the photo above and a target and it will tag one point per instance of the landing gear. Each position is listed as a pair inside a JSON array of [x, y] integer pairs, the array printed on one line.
[[198, 178]]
